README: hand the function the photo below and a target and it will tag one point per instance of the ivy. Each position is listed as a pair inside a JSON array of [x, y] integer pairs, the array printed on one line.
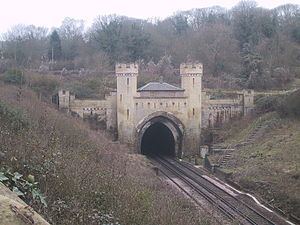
[[25, 188]]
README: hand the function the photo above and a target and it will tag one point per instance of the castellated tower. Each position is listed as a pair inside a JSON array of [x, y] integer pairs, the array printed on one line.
[[191, 82], [126, 91]]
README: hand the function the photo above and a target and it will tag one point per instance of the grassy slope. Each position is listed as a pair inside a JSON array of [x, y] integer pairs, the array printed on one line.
[[271, 165], [86, 179]]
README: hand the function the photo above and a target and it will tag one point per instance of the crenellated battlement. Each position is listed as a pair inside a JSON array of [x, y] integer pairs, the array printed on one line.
[[165, 114], [191, 68], [127, 68]]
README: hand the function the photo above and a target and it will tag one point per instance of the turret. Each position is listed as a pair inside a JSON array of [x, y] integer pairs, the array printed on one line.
[[126, 90], [191, 76], [191, 82]]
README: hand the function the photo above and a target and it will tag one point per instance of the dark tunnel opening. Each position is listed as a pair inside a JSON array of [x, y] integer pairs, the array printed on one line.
[[158, 140]]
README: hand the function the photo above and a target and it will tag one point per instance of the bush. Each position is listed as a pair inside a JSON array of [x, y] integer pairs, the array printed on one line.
[[14, 76], [43, 85], [289, 105], [91, 88], [14, 117], [267, 104]]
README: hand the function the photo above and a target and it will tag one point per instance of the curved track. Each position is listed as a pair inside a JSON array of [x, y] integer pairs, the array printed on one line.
[[229, 205]]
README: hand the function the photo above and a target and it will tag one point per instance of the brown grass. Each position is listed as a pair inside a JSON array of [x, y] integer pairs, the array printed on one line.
[[86, 178], [270, 166]]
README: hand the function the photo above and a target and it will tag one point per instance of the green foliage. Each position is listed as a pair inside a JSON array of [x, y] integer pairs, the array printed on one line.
[[287, 105], [275, 150], [296, 34], [25, 188], [290, 105], [137, 42], [90, 88], [267, 104], [107, 33], [215, 36], [14, 77], [54, 51], [44, 85], [180, 24], [120, 38], [15, 118]]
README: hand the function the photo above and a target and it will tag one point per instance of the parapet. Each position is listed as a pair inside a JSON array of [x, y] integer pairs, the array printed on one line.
[[127, 68], [191, 69]]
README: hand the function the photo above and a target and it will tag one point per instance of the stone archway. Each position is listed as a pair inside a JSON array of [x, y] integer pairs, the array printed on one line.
[[160, 128]]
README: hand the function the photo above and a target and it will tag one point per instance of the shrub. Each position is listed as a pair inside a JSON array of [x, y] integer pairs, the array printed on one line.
[[91, 88], [14, 76], [85, 178], [43, 85], [289, 105], [267, 104], [14, 117]]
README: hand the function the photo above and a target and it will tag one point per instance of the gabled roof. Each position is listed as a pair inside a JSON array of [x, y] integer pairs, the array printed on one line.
[[159, 86]]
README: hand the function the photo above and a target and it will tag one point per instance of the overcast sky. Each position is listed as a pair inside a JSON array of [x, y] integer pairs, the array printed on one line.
[[50, 13]]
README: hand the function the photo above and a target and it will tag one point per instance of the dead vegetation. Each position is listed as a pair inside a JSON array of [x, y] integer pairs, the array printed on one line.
[[269, 164], [86, 179]]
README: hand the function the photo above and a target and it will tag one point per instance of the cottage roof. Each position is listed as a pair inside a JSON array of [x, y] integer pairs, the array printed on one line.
[[159, 86]]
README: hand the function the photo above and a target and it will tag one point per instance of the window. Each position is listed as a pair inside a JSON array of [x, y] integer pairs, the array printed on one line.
[[127, 114], [193, 111], [154, 105], [193, 82], [64, 92], [127, 81], [148, 105], [120, 97]]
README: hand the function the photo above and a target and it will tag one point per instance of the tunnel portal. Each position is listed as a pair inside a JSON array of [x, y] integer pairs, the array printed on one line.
[[158, 140]]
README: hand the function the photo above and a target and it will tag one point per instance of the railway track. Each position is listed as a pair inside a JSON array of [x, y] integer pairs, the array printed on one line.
[[232, 207]]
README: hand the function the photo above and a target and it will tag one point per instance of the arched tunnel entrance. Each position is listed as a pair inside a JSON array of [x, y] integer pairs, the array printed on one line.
[[160, 133], [158, 140]]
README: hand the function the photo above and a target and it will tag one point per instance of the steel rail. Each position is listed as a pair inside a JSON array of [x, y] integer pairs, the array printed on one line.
[[228, 200]]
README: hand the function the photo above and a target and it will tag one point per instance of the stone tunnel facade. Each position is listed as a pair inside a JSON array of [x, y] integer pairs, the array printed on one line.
[[159, 117]]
